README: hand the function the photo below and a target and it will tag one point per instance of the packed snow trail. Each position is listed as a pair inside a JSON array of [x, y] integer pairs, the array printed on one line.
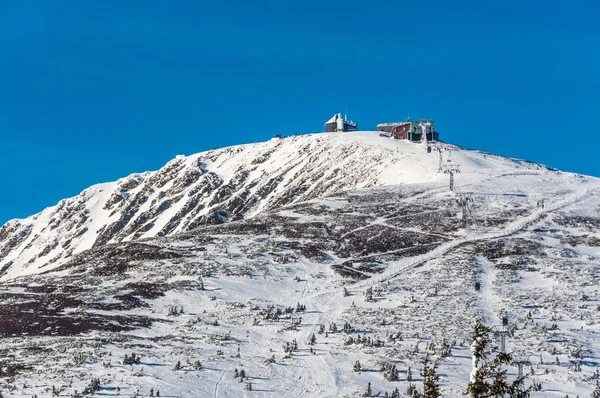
[[396, 270], [219, 383], [488, 297]]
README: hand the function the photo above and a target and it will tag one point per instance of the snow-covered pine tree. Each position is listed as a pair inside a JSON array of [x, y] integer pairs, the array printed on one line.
[[596, 392], [390, 372], [410, 390], [488, 378], [178, 366], [347, 328], [431, 389], [369, 295]]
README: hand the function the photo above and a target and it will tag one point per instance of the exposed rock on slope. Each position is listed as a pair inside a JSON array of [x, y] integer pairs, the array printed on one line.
[[223, 185]]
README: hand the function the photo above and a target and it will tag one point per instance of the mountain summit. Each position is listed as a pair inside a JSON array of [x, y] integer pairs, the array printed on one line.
[[224, 185], [325, 265]]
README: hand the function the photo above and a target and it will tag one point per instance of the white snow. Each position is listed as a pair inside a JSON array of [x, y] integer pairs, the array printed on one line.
[[428, 297]]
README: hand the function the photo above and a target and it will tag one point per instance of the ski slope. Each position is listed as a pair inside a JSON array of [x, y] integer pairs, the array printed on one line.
[[228, 184], [323, 213]]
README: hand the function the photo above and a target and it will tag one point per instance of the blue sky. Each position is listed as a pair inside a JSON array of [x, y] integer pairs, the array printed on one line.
[[93, 91]]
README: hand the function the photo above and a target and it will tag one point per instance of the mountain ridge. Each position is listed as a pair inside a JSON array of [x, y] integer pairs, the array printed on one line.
[[302, 287], [215, 186]]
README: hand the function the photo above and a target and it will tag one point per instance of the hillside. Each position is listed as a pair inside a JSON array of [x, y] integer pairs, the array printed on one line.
[[219, 186], [231, 288]]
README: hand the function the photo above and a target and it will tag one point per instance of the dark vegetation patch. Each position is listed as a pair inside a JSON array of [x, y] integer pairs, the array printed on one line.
[[128, 301], [357, 269], [311, 209], [347, 272], [380, 239], [516, 265], [43, 315], [315, 230], [314, 252], [118, 258], [146, 290], [11, 369], [575, 240], [46, 289], [508, 247], [431, 221], [585, 222]]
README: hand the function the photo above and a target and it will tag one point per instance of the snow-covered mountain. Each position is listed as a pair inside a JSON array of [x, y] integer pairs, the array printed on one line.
[[219, 186], [222, 261]]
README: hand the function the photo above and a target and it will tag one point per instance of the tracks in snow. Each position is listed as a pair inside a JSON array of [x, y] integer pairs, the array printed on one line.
[[510, 229]]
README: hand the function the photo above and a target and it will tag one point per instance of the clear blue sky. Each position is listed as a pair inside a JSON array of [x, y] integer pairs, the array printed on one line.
[[91, 91]]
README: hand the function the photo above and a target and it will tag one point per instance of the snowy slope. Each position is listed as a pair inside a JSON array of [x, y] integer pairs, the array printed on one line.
[[536, 266], [224, 185]]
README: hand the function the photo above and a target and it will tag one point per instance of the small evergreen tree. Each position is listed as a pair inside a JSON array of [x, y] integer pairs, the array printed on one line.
[[131, 360], [357, 367], [369, 392], [431, 389], [488, 378], [178, 366], [312, 340], [390, 372], [596, 392], [369, 295], [347, 328], [409, 375]]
